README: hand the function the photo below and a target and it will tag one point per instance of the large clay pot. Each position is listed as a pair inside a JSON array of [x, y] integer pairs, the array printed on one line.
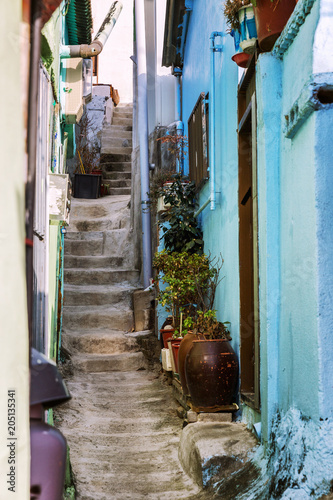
[[271, 18], [211, 369], [185, 346]]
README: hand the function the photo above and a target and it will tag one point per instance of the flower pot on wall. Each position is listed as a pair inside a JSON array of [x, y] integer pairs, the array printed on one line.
[[211, 370], [271, 17], [248, 31], [240, 58]]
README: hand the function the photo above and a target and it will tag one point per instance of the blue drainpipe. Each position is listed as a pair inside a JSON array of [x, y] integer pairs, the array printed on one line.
[[213, 48], [179, 124]]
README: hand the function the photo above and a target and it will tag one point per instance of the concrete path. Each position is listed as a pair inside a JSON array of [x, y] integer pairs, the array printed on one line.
[[124, 435]]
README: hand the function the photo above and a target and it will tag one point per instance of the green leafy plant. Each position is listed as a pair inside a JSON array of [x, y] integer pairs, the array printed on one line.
[[207, 324], [181, 232], [186, 277]]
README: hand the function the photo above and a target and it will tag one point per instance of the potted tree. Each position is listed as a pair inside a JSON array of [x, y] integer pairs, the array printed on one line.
[[211, 366], [87, 177]]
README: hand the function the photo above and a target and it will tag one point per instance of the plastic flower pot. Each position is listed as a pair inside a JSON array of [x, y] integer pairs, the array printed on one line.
[[248, 31]]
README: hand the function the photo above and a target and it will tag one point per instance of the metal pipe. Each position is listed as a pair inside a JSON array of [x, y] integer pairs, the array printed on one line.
[[207, 202], [84, 50], [143, 139], [36, 26], [179, 124], [213, 48]]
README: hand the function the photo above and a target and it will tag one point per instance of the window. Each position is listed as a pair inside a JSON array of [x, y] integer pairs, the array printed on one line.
[[198, 141]]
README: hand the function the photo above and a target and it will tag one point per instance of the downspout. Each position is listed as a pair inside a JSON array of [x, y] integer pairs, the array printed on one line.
[[213, 48], [142, 114], [85, 51], [179, 124]]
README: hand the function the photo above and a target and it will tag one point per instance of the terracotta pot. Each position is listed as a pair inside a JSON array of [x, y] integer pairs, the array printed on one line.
[[271, 18], [166, 334], [241, 59], [184, 348], [211, 369]]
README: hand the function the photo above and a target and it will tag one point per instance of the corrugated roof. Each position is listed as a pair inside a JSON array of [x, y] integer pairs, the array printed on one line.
[[79, 22]]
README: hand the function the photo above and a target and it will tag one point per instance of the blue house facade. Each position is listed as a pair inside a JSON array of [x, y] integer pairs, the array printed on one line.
[[264, 176]]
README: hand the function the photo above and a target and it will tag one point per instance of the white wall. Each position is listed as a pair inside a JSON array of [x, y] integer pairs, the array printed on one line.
[[115, 66]]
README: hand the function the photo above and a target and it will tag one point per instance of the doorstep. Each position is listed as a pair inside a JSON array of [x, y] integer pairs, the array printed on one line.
[[219, 454]]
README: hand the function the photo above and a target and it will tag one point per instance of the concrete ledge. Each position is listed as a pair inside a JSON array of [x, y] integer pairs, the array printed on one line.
[[217, 452]]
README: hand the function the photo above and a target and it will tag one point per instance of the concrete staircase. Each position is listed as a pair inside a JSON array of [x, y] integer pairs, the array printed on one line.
[[99, 281], [116, 151], [121, 423]]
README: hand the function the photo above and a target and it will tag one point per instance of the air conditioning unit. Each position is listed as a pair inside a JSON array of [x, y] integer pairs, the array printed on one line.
[[72, 88], [59, 197]]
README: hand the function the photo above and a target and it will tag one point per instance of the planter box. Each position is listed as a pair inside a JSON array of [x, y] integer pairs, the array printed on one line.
[[87, 186]]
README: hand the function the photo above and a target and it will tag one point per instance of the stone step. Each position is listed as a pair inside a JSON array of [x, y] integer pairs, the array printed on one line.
[[127, 129], [123, 113], [116, 155], [101, 342], [116, 131], [116, 142], [97, 261], [105, 276], [99, 225], [77, 247], [119, 120], [120, 190], [115, 166], [117, 175], [113, 243], [86, 318], [118, 183], [96, 295], [107, 362], [84, 235]]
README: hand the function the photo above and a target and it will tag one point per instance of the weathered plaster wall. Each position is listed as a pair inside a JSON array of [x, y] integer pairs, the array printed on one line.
[[14, 352], [220, 226]]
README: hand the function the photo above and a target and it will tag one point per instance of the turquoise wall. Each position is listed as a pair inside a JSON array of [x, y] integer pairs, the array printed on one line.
[[287, 234], [220, 227]]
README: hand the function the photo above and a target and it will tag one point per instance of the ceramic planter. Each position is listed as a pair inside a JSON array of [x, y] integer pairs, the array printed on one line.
[[173, 345], [184, 348], [271, 17], [248, 31], [211, 370]]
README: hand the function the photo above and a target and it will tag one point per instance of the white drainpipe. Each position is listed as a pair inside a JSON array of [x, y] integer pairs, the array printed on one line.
[[85, 51], [142, 114]]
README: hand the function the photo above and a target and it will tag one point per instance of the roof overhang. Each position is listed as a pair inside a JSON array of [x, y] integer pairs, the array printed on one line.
[[175, 31]]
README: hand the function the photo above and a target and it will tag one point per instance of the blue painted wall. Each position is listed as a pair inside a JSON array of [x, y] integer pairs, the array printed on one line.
[[220, 227]]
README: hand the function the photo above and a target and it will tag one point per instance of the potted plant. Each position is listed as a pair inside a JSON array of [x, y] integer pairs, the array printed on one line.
[[87, 177], [271, 17], [211, 366], [240, 19], [181, 280], [178, 223]]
